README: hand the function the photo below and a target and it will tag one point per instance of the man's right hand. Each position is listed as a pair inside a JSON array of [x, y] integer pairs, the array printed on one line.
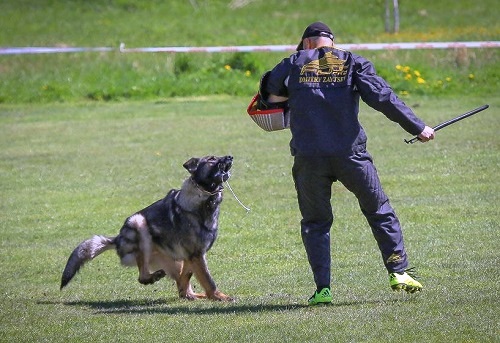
[[427, 134]]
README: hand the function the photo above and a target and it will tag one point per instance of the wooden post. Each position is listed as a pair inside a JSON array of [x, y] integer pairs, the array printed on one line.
[[395, 6], [396, 16]]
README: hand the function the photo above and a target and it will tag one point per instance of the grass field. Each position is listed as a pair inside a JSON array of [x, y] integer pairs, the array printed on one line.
[[88, 139], [69, 171]]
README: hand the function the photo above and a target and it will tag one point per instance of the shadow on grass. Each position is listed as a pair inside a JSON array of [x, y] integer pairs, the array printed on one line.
[[164, 306]]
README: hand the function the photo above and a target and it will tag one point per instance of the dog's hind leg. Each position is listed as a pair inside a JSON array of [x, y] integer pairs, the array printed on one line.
[[143, 255], [200, 270]]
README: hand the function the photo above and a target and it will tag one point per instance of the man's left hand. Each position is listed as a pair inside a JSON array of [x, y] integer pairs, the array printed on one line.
[[426, 135]]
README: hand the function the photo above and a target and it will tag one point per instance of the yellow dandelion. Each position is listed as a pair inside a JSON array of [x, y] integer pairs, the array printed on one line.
[[420, 80], [417, 73], [406, 69], [404, 93], [448, 79], [227, 67], [471, 76], [408, 77], [399, 67], [248, 73]]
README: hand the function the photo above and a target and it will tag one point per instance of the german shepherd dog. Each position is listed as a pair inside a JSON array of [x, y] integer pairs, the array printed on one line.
[[171, 236]]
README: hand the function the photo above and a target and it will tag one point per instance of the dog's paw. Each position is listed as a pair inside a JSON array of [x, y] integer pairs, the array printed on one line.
[[193, 296], [219, 296], [152, 278], [158, 275]]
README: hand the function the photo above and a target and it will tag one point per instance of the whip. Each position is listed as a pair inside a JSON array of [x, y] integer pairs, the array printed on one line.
[[451, 121]]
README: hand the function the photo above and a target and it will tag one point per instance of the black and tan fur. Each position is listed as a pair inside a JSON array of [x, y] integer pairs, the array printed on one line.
[[171, 236]]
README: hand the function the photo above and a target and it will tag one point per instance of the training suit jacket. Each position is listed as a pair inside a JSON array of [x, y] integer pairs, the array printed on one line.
[[323, 87]]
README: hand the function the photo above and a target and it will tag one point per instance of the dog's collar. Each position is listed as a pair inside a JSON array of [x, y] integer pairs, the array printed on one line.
[[217, 191]]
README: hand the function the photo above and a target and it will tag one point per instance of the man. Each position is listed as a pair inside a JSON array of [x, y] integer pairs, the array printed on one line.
[[322, 85]]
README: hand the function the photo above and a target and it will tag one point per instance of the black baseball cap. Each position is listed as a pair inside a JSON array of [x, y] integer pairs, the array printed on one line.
[[316, 29]]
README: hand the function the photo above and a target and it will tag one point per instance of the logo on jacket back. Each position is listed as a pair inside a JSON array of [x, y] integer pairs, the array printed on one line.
[[328, 68]]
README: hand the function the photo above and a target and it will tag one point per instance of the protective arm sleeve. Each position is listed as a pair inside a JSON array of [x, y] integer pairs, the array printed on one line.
[[275, 83], [377, 93], [263, 99]]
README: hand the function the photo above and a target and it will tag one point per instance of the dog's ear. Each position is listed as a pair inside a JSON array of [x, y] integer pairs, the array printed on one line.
[[191, 164]]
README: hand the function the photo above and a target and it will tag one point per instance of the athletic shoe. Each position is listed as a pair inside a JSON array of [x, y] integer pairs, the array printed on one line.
[[323, 297], [404, 281]]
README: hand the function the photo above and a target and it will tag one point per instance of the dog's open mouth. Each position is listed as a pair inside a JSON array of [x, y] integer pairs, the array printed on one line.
[[224, 167], [210, 172]]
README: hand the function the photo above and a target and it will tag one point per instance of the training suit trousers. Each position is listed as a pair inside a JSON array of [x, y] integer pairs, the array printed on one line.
[[313, 177]]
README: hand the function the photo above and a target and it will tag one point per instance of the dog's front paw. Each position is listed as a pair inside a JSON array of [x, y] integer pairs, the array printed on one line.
[[193, 296]]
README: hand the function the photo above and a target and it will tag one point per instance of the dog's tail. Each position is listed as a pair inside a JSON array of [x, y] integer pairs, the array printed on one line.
[[84, 252]]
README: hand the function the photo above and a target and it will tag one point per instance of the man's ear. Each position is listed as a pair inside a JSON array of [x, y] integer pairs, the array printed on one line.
[[306, 43], [191, 164]]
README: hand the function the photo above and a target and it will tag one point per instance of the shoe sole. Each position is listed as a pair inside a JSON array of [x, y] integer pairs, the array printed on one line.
[[320, 303], [407, 288]]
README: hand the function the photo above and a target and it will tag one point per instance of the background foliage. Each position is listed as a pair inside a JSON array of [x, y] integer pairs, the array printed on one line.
[[115, 76]]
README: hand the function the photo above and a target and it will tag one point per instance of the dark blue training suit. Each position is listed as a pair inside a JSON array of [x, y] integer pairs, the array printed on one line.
[[323, 87]]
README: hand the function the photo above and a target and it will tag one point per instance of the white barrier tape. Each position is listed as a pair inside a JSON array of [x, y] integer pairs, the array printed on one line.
[[252, 48], [48, 50], [350, 47], [418, 46], [245, 48]]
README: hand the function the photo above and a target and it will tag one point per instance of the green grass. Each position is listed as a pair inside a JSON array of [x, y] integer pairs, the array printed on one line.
[[215, 22], [69, 171], [89, 138]]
